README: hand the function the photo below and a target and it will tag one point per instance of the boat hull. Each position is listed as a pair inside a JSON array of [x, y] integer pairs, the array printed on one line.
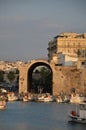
[[2, 105], [77, 119]]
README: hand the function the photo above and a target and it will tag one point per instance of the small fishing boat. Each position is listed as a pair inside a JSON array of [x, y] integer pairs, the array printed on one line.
[[59, 99], [79, 115], [49, 98], [76, 98], [28, 97], [41, 98], [25, 98], [12, 97], [2, 104], [46, 97]]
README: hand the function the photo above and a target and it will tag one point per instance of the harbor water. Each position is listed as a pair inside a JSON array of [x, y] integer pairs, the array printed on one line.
[[37, 116]]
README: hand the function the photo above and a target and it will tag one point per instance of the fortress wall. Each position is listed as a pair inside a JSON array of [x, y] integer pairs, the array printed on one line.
[[67, 78]]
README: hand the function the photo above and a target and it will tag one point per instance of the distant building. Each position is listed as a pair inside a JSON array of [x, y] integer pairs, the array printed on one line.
[[66, 48]]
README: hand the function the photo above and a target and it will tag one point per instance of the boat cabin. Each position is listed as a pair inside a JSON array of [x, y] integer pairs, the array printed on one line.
[[82, 110]]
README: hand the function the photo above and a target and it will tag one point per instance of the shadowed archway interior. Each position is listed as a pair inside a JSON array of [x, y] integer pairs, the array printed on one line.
[[47, 88]]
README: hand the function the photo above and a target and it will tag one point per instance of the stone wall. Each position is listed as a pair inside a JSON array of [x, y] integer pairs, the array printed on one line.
[[66, 79]]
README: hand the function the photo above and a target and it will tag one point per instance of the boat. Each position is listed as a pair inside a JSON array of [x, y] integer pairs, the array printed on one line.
[[28, 97], [46, 97], [76, 98], [12, 97], [79, 115], [41, 98], [66, 99], [59, 99], [25, 99], [49, 98], [2, 104]]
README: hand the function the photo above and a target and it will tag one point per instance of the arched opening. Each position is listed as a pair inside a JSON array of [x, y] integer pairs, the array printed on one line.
[[40, 78]]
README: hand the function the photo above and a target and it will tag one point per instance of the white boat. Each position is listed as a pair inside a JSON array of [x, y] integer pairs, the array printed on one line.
[[79, 115], [45, 98], [41, 98], [75, 98], [28, 97], [49, 98], [59, 99], [2, 104], [25, 98], [12, 97]]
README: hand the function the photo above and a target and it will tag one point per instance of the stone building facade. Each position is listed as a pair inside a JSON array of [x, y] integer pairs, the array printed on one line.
[[70, 44]]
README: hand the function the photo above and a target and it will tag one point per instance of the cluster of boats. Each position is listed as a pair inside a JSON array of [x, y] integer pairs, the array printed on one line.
[[46, 97], [78, 115], [43, 97], [7, 97], [10, 97], [39, 98]]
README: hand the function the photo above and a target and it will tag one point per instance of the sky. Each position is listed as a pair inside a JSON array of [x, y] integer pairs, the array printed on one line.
[[26, 26]]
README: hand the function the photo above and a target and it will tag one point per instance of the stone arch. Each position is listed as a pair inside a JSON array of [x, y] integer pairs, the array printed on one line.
[[32, 67], [26, 72]]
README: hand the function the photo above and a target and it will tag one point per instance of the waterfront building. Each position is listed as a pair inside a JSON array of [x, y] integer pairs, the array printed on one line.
[[71, 46]]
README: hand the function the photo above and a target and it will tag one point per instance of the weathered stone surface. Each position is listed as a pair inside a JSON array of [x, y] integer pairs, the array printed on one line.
[[64, 78]]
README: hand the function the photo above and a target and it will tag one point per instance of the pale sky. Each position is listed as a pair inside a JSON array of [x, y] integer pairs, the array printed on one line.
[[26, 26]]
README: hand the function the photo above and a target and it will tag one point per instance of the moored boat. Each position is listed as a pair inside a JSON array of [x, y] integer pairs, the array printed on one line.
[[45, 98], [2, 104], [79, 115], [59, 99], [28, 97], [49, 98], [40, 98], [25, 98], [76, 98], [12, 97]]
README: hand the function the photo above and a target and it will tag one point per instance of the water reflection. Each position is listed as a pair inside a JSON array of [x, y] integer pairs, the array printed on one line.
[[76, 126]]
